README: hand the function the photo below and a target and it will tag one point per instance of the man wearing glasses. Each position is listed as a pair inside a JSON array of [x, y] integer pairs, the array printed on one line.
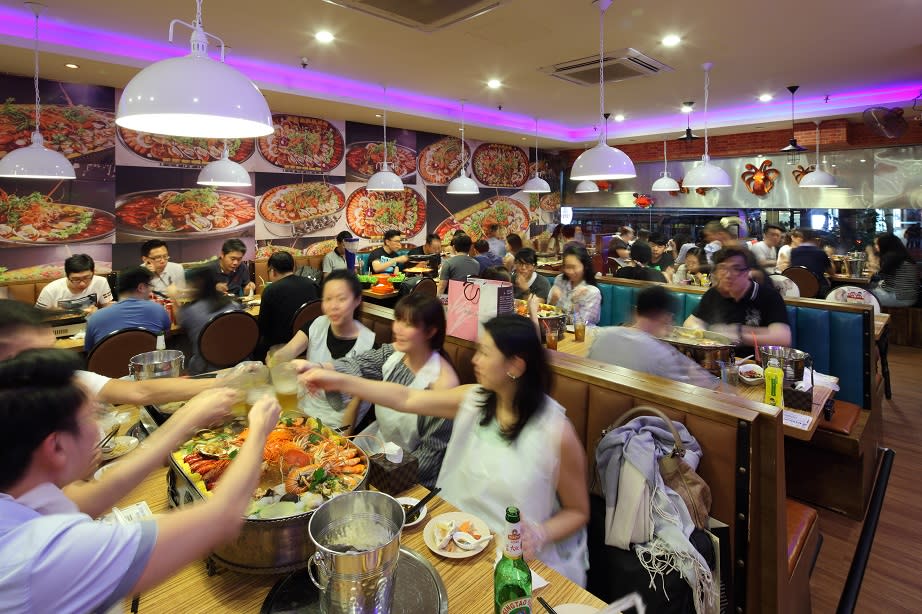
[[385, 259], [736, 306], [80, 288], [526, 280], [168, 277], [133, 309]]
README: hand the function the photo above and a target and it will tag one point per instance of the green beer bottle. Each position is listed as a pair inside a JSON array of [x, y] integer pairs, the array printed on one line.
[[512, 578]]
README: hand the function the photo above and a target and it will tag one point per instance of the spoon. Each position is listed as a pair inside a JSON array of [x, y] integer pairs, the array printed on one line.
[[466, 541]]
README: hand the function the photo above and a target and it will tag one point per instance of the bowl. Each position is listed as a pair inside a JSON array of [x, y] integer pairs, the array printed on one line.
[[403, 501], [756, 375]]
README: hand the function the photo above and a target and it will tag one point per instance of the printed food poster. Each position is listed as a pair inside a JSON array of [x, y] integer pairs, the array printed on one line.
[[365, 152], [291, 206], [439, 158], [473, 213], [77, 120], [370, 214], [47, 263], [303, 145], [167, 204], [497, 165]]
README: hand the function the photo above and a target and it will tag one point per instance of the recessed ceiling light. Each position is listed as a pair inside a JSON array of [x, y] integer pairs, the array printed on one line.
[[377, 115], [862, 160], [619, 117], [324, 37], [833, 166], [71, 65], [494, 84], [686, 108], [671, 40], [766, 98]]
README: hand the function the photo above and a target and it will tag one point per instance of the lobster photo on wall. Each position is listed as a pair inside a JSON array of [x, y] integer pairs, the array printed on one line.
[[760, 180]]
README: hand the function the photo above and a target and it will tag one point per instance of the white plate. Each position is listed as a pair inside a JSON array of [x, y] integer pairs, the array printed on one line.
[[120, 447], [752, 381], [412, 501], [574, 608], [429, 534], [102, 470]]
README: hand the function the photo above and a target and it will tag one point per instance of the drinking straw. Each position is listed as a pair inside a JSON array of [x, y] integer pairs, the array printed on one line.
[[755, 347]]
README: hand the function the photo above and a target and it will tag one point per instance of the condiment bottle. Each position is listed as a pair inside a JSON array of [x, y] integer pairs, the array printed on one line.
[[774, 380], [511, 577]]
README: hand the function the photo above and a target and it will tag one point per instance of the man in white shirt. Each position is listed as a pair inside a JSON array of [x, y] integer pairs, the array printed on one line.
[[80, 288], [336, 259], [169, 277], [55, 557], [766, 250]]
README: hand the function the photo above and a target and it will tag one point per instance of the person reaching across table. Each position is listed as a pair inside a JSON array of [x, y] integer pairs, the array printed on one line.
[[511, 445], [431, 249], [133, 309], [576, 289], [387, 258], [739, 307], [80, 288], [55, 558]]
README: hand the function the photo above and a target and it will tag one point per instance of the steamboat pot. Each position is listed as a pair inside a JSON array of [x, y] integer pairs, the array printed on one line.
[[159, 363], [706, 348], [264, 546]]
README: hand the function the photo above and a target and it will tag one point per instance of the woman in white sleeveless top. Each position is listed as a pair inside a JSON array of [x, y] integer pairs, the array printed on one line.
[[511, 443], [335, 334]]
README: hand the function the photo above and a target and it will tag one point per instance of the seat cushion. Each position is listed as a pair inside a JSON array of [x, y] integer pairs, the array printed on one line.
[[801, 520], [844, 417]]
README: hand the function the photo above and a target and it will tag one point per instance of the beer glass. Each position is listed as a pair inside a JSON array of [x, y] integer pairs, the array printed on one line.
[[285, 383]]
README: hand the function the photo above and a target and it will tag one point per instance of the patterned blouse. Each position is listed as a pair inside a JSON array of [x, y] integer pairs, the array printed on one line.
[[584, 299]]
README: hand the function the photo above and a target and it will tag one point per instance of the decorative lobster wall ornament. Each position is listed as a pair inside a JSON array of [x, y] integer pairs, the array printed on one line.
[[761, 180], [643, 201], [683, 190], [800, 172]]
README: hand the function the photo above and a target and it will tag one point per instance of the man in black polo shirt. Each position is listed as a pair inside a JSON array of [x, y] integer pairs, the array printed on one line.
[[740, 308], [280, 300], [233, 275], [385, 259], [432, 249]]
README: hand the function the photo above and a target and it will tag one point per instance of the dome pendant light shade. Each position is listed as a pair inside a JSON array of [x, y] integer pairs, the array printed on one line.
[[36, 161], [602, 162], [818, 178], [665, 183], [224, 172], [706, 175], [194, 96], [587, 187], [385, 180], [536, 185], [462, 184]]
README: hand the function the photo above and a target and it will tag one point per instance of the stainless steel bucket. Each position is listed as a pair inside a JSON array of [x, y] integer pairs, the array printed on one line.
[[792, 361], [856, 262], [357, 537], [159, 363]]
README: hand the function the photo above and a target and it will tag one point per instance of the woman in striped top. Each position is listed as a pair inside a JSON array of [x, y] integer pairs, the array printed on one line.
[[899, 278]]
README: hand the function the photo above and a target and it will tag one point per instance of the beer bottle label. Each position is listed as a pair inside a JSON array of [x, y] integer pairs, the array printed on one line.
[[517, 606], [514, 543]]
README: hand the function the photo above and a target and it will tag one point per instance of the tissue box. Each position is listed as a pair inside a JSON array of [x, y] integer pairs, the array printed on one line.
[[798, 399], [393, 478]]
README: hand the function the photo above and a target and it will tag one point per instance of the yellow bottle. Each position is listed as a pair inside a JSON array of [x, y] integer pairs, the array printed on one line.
[[774, 380]]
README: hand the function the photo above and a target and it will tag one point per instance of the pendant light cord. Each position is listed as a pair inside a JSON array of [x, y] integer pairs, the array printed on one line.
[[198, 13], [38, 106], [665, 160], [385, 130], [707, 83], [602, 69], [463, 168], [817, 145], [536, 148]]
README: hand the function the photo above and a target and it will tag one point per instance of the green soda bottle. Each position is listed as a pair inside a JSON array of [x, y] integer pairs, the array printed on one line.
[[512, 578]]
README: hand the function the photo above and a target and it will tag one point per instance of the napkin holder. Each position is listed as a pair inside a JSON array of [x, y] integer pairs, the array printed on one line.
[[798, 399], [393, 478]]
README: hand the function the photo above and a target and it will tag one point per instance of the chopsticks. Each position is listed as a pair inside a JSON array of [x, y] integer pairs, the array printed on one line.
[[547, 606], [413, 510], [109, 436]]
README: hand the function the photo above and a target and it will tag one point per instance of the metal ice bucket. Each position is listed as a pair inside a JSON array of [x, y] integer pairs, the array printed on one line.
[[792, 361], [856, 262], [357, 537], [159, 363]]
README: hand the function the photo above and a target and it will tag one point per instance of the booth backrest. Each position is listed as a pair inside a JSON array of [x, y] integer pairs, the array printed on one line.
[[839, 336], [25, 291], [742, 444]]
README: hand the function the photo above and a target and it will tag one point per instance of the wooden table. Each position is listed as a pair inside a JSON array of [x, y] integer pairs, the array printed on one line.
[[378, 295], [848, 280], [881, 322], [821, 394], [469, 582]]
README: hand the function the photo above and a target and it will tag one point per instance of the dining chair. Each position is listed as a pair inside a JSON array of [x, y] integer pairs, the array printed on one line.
[[785, 286], [306, 314], [806, 281], [424, 285], [853, 294], [110, 356], [228, 338]]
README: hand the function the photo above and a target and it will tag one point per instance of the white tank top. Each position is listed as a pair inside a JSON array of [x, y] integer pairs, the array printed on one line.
[[397, 426]]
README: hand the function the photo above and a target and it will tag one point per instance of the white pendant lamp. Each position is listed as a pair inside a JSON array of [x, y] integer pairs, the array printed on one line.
[[385, 180], [35, 161], [818, 178], [602, 162], [706, 175], [194, 96], [536, 185], [462, 184], [665, 183], [587, 187], [224, 172]]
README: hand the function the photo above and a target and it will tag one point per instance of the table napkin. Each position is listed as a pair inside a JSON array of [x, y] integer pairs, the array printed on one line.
[[818, 379], [536, 580]]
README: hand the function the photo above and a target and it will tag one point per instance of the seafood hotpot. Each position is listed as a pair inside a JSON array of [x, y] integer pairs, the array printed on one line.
[[704, 347]]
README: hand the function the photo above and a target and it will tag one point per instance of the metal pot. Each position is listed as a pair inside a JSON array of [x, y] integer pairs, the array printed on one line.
[[718, 349], [791, 360], [159, 363]]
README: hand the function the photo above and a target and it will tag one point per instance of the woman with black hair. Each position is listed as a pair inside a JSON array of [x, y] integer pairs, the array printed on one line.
[[576, 290], [207, 302], [511, 445], [899, 277]]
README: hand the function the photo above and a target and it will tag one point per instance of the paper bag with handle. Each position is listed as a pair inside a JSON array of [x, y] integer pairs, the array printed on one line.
[[475, 301]]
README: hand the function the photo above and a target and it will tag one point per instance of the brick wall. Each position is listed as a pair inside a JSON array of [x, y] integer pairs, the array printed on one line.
[[835, 135]]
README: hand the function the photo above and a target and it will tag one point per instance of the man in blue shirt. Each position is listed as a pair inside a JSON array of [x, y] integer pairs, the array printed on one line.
[[132, 310]]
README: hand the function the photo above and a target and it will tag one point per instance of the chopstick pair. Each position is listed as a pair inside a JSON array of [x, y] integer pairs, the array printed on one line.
[[108, 437], [547, 606], [413, 510]]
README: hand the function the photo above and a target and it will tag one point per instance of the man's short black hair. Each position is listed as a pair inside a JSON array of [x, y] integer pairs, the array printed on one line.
[[342, 236], [731, 251], [78, 263], [658, 238], [641, 252], [15, 315], [281, 262], [527, 255], [148, 246], [768, 227], [654, 301], [233, 245], [461, 243], [482, 246], [433, 236], [129, 279], [390, 234]]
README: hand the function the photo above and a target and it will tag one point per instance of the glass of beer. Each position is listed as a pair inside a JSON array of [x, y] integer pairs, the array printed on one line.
[[285, 383], [579, 330]]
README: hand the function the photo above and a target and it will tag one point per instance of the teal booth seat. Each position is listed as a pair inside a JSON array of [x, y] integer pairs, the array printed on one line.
[[838, 337]]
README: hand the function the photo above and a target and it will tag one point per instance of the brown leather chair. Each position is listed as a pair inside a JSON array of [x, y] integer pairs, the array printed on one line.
[[110, 356], [228, 338], [426, 285], [306, 314], [806, 281]]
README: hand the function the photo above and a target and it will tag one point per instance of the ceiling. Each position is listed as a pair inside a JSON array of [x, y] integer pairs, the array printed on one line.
[[859, 54]]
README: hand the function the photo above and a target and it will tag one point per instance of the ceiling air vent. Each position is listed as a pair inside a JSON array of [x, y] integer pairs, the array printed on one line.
[[618, 66], [425, 15]]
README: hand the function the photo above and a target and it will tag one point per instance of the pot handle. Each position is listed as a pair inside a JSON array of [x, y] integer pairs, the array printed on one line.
[[317, 560]]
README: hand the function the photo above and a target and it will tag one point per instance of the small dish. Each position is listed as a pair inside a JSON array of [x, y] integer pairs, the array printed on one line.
[[411, 501], [431, 537], [120, 446], [751, 374], [102, 470]]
